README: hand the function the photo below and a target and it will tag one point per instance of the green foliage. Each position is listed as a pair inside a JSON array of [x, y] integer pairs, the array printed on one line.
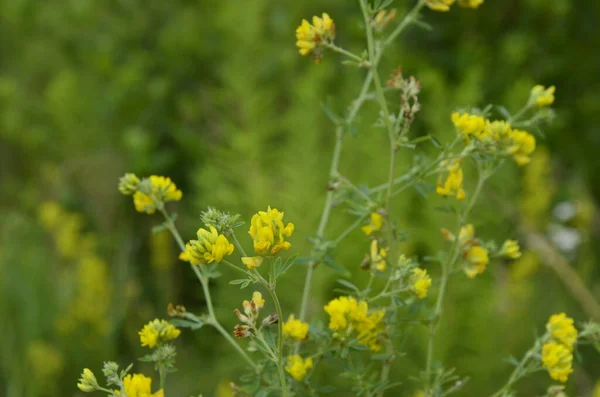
[[215, 95]]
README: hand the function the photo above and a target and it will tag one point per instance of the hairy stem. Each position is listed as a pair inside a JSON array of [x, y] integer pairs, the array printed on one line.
[[280, 368]]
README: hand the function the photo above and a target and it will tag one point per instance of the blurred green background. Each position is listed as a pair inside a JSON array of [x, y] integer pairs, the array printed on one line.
[[215, 95]]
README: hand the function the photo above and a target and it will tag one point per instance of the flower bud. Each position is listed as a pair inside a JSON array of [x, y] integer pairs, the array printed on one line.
[[270, 320], [241, 331], [510, 249], [128, 184], [87, 382]]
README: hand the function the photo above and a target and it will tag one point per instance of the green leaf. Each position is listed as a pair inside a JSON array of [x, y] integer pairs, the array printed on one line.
[[239, 281], [348, 284], [282, 267], [182, 323], [159, 228]]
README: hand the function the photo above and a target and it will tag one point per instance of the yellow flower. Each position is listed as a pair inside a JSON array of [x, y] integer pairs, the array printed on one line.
[[210, 247], [378, 257], [50, 214], [420, 282], [477, 259], [252, 262], [439, 5], [498, 129], [310, 36], [46, 361], [543, 96], [153, 191], [348, 313], [87, 382], [157, 331], [374, 225], [258, 299], [510, 249], [453, 185], [295, 329], [298, 367], [269, 233], [522, 145], [138, 385], [466, 234], [471, 126], [562, 330], [596, 392], [558, 360], [470, 3]]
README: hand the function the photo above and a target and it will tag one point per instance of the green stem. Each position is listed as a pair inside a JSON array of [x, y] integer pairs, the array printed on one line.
[[237, 243], [517, 372], [350, 228], [340, 50], [205, 287], [279, 338], [231, 265], [447, 268]]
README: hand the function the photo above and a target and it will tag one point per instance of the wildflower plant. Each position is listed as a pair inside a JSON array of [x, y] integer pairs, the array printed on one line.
[[285, 347]]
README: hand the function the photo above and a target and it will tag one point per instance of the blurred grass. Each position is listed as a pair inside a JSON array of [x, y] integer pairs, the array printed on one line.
[[215, 95]]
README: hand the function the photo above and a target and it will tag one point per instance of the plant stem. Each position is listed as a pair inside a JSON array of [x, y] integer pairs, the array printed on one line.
[[517, 372], [280, 368], [342, 51], [447, 268], [205, 287], [237, 243]]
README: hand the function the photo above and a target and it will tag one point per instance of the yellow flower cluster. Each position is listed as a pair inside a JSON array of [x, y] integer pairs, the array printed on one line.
[[543, 96], [475, 255], [153, 192], [420, 282], [210, 247], [295, 329], [297, 367], [45, 360], [444, 5], [157, 331], [268, 233], [310, 36], [375, 224], [557, 354], [90, 302], [378, 256], [519, 144], [346, 313], [453, 184], [138, 385], [510, 249]]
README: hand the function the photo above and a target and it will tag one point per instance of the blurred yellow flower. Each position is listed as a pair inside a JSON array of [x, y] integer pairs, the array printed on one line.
[[45, 360], [510, 249], [154, 191], [439, 5], [268, 232], [310, 36], [374, 225], [210, 247], [522, 145], [378, 256], [543, 96], [477, 259], [470, 126], [252, 262], [498, 129], [157, 331], [297, 367], [558, 360], [295, 329], [453, 185], [258, 299], [138, 385], [470, 3], [466, 234], [420, 282], [348, 313], [49, 214], [562, 330]]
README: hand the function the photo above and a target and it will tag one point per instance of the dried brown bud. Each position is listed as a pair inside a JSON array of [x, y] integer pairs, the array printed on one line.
[[241, 331], [270, 320]]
